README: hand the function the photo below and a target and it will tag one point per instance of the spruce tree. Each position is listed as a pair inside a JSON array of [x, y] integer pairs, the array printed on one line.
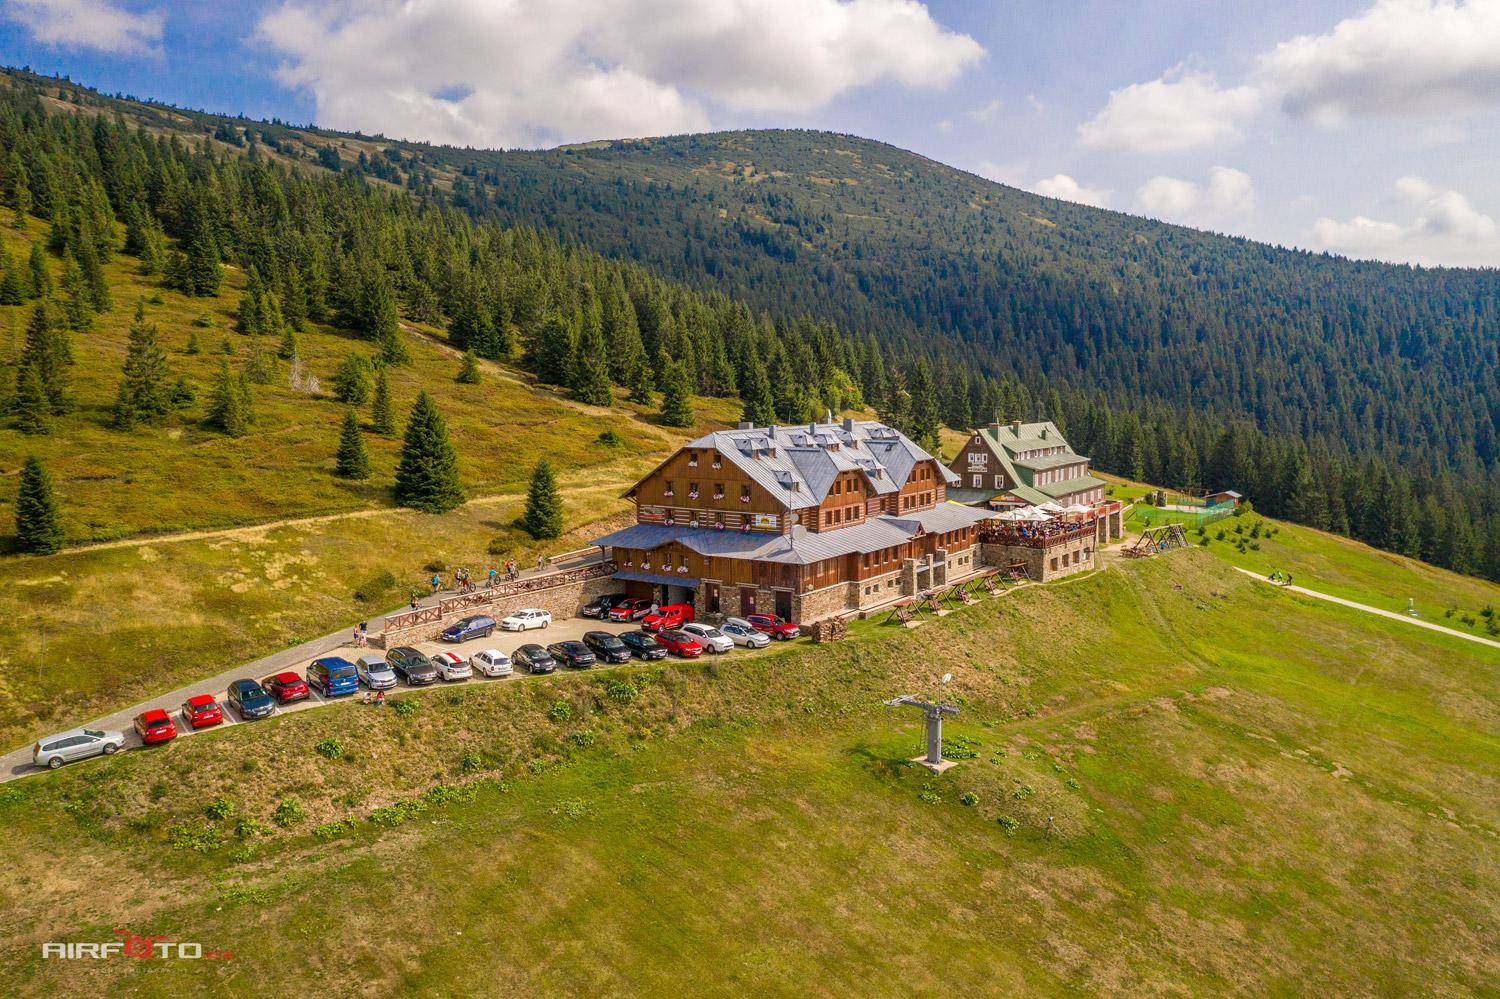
[[352, 381], [288, 350], [676, 400], [93, 277], [226, 408], [352, 460], [543, 518], [641, 381], [13, 284], [427, 476], [48, 353], [554, 351], [755, 392], [591, 369], [192, 343], [78, 306], [201, 270], [41, 277], [468, 370], [382, 413], [38, 522], [32, 407], [143, 394], [923, 409]]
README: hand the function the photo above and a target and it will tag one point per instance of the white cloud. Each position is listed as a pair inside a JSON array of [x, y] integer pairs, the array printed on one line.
[[945, 126], [1182, 109], [1399, 57], [543, 71], [89, 24], [986, 113], [1445, 229], [1229, 195], [1065, 188]]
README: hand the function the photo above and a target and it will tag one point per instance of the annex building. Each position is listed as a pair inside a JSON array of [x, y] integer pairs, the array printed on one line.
[[807, 522], [1023, 464]]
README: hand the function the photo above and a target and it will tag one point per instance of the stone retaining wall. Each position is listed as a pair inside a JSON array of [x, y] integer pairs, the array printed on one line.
[[563, 600]]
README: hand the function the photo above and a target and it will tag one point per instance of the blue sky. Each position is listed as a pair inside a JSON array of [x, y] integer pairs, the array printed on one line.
[[1367, 127]]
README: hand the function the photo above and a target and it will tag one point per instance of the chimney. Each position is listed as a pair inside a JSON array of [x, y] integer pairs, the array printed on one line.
[[1015, 427], [812, 428], [1044, 431], [848, 424], [745, 426], [828, 416]]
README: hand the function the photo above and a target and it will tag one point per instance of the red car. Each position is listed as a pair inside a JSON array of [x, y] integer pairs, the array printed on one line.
[[631, 610], [202, 711], [286, 687], [776, 627], [680, 643], [668, 616], [155, 726]]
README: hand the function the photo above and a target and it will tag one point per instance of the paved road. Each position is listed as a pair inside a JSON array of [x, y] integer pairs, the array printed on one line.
[[1393, 615], [17, 763]]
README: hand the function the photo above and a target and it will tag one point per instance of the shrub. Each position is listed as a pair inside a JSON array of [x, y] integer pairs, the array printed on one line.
[[471, 762], [1009, 824], [199, 837], [205, 321], [582, 739], [330, 749], [219, 809], [374, 588], [288, 813], [619, 690], [610, 439], [929, 797], [250, 828], [334, 829], [969, 799], [436, 565], [404, 708], [561, 712]]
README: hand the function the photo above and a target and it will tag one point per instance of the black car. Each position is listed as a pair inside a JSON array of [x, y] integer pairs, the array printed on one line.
[[601, 605], [574, 655], [250, 699], [410, 665], [533, 659], [607, 647], [643, 646], [478, 626]]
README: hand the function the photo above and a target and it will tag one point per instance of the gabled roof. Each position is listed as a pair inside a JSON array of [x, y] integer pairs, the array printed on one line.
[[1067, 487]]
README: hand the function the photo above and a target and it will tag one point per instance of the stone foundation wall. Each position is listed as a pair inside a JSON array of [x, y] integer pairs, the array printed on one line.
[[1044, 564], [877, 589], [562, 600], [830, 601]]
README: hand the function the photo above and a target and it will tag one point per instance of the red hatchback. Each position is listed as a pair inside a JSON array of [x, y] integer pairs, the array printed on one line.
[[668, 616], [155, 726], [202, 711], [286, 687], [680, 643], [776, 627]]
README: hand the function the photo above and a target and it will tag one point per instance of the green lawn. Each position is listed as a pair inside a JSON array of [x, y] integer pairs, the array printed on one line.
[[1182, 781]]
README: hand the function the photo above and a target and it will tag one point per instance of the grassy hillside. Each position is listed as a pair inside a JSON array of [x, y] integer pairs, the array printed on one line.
[[1180, 780]]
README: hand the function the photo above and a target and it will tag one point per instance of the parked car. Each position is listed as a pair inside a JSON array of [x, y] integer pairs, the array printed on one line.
[[155, 726], [478, 626], [491, 662], [574, 655], [410, 665], [375, 672], [741, 633], [668, 616], [711, 638], [534, 659], [250, 699], [286, 687], [451, 666], [776, 627], [600, 606], [632, 609], [334, 676], [202, 711], [526, 619], [642, 645], [680, 643], [607, 647], [76, 744]]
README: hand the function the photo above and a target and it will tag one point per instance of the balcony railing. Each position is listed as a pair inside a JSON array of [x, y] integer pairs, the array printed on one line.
[[1042, 536]]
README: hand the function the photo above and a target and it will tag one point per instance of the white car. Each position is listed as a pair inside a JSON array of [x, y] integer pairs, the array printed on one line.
[[76, 744], [451, 665], [711, 638], [740, 633], [491, 662], [526, 619]]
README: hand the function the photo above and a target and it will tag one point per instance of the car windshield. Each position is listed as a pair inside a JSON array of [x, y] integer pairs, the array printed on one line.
[[92, 733], [342, 672], [608, 641], [711, 633]]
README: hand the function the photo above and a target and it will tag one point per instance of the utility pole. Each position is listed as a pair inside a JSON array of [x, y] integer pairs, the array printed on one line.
[[933, 714]]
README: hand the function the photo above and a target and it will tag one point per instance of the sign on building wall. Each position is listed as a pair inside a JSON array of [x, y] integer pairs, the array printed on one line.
[[765, 520], [652, 515]]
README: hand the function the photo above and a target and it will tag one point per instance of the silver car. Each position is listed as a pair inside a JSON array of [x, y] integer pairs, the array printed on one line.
[[375, 673], [740, 633], [76, 744]]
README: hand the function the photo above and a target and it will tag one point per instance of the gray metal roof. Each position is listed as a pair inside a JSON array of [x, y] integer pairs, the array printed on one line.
[[1069, 486], [656, 579]]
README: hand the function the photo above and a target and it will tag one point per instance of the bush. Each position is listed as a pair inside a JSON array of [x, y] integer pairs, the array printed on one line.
[[471, 762], [374, 588], [969, 799], [288, 813], [198, 837], [205, 321], [436, 565], [330, 749], [405, 707], [334, 829], [219, 809], [561, 712], [582, 740], [619, 690], [1009, 824], [250, 828], [610, 439]]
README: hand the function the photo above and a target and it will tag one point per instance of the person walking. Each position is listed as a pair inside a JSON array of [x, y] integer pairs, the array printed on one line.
[[541, 560], [436, 582]]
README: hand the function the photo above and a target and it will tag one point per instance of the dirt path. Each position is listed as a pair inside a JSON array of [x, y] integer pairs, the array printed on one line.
[[1404, 619]]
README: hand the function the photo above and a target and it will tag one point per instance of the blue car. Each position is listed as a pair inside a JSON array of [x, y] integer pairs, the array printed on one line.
[[250, 700], [478, 626], [333, 676]]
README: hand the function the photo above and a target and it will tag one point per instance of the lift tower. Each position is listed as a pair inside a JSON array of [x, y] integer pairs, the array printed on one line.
[[933, 713]]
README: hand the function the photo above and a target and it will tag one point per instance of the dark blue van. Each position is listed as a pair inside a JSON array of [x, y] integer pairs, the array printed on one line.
[[333, 676]]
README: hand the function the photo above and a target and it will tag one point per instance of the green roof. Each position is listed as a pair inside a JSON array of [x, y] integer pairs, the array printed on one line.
[[1066, 487], [1051, 461]]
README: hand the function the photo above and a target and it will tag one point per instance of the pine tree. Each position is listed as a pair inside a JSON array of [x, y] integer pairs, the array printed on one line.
[[352, 381], [32, 407], [427, 476], [676, 401], [543, 518], [192, 343], [641, 390], [13, 284], [93, 277], [755, 391], [48, 353], [288, 350], [382, 413], [201, 270], [554, 351], [143, 394], [41, 277], [78, 307], [352, 460], [468, 370], [226, 409], [922, 407], [250, 317], [591, 371], [38, 520]]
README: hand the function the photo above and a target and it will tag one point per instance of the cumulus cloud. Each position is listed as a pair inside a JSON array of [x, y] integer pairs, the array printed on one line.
[[534, 72], [1065, 188], [1445, 228], [1182, 109], [1399, 57], [987, 112], [1228, 195], [89, 24]]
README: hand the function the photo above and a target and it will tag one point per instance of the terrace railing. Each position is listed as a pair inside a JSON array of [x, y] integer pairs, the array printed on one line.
[[1043, 536]]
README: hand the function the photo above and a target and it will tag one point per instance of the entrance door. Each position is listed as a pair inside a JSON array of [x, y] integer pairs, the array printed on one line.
[[784, 604], [747, 601], [711, 597]]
